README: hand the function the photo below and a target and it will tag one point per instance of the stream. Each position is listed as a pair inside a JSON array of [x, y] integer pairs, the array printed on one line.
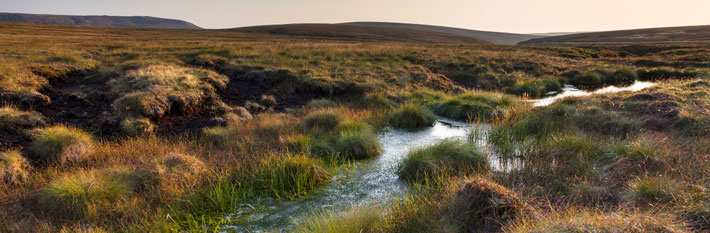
[[370, 181], [374, 180]]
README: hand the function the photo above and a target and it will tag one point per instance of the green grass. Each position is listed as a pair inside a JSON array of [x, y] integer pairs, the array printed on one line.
[[656, 189], [61, 144], [291, 176], [411, 117], [324, 121], [361, 219], [14, 168], [357, 145], [538, 88], [450, 157], [575, 220], [475, 106], [79, 195]]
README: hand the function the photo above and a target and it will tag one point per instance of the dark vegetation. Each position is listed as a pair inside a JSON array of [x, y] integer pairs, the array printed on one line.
[[105, 21], [107, 129], [672, 35]]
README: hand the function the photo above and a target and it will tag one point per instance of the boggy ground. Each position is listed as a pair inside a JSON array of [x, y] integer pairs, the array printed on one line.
[[139, 130]]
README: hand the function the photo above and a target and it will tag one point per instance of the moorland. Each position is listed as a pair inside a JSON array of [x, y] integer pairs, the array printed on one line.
[[157, 130]]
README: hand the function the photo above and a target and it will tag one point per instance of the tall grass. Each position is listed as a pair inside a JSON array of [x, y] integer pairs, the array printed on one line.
[[450, 157]]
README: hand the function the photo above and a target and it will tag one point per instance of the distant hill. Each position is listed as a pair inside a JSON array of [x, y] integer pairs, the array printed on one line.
[[494, 37], [106, 21], [689, 34], [359, 33]]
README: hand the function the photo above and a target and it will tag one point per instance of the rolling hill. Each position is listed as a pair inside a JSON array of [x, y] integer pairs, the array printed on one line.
[[106, 21], [494, 37], [688, 34], [359, 33]]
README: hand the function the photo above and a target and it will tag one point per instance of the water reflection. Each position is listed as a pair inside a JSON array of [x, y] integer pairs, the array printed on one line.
[[570, 91]]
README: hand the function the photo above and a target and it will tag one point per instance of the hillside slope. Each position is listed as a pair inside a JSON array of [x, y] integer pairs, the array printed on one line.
[[359, 33], [688, 34], [106, 21], [494, 37]]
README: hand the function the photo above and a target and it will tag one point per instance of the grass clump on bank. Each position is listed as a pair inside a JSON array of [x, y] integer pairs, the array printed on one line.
[[80, 195], [538, 88], [484, 206], [13, 120], [323, 121], [448, 157], [657, 189], [475, 106], [290, 176], [361, 219], [575, 220], [61, 144], [357, 144], [14, 169], [412, 116]]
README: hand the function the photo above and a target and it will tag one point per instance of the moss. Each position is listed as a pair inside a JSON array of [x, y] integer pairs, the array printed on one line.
[[484, 206], [61, 144], [448, 157], [14, 169], [78, 195], [412, 116], [13, 120], [324, 121], [657, 189]]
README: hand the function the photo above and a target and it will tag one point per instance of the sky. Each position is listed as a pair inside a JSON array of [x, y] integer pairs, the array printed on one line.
[[518, 16]]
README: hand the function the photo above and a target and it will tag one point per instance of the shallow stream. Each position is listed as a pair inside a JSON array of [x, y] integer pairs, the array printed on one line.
[[371, 181], [568, 91]]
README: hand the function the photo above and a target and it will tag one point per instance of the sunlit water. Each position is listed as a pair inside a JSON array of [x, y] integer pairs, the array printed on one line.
[[569, 91], [372, 181]]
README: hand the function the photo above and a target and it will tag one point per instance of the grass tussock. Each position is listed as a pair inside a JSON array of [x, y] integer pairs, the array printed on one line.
[[412, 116], [450, 157], [360, 219], [324, 121], [13, 120], [82, 194], [473, 106], [14, 168], [588, 221], [291, 176], [657, 189], [61, 144], [484, 206]]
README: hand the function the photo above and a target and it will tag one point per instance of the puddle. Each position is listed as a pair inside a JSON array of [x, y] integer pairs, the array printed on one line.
[[372, 181], [569, 91]]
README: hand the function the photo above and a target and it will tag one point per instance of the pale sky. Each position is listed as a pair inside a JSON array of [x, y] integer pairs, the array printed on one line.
[[520, 16]]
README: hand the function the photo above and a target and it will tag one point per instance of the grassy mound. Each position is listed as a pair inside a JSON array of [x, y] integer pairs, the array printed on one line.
[[537, 88], [134, 127], [448, 157], [586, 221], [61, 144], [473, 106], [172, 173], [324, 121], [484, 206], [77, 195], [13, 120], [290, 176], [13, 167], [412, 116], [657, 189], [357, 144], [356, 220]]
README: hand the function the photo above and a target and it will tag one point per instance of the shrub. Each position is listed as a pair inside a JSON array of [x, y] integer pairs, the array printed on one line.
[[412, 116], [61, 144], [658, 189], [290, 176], [76, 195], [13, 167], [484, 206], [12, 120], [448, 157], [357, 145], [324, 121]]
